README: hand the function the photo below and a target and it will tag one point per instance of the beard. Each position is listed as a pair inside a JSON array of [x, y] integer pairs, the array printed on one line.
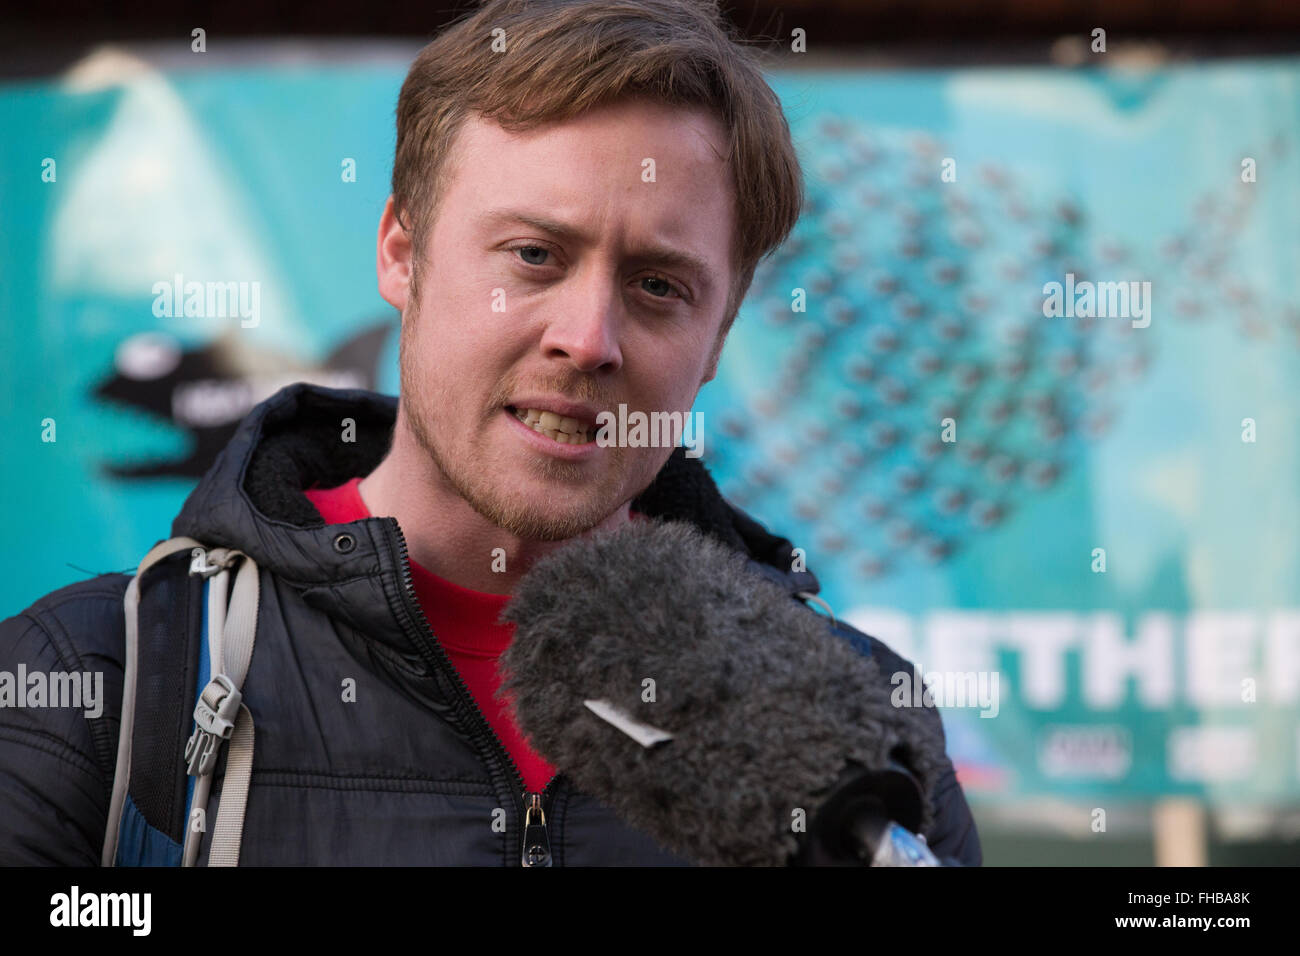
[[576, 503]]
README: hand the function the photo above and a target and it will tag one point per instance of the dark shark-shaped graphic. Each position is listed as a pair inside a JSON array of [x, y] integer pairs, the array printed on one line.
[[207, 391]]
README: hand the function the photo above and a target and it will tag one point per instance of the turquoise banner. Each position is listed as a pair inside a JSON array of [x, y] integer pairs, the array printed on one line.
[[1024, 386]]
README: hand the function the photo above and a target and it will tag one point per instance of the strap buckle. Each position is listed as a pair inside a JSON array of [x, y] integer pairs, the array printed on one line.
[[214, 716], [208, 561]]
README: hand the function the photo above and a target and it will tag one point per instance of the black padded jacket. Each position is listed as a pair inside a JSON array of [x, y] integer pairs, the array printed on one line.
[[407, 773]]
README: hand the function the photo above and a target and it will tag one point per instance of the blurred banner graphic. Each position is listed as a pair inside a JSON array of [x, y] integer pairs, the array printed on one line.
[[1024, 386], [1082, 521]]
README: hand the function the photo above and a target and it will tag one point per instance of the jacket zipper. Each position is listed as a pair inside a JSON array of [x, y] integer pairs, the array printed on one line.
[[536, 844]]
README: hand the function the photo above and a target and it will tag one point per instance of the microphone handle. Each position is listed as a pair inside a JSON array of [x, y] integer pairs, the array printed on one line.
[[867, 819], [881, 841]]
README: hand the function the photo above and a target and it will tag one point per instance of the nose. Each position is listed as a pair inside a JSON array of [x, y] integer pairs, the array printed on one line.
[[585, 327]]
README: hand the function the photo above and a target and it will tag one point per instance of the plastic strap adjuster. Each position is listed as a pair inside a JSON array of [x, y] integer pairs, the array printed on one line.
[[214, 715], [203, 563]]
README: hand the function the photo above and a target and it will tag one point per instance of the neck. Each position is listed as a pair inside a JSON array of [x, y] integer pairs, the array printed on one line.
[[442, 531]]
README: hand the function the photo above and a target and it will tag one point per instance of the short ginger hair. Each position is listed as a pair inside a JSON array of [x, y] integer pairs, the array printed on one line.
[[563, 57]]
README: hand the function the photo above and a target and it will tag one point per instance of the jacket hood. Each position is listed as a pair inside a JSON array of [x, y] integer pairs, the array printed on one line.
[[252, 497]]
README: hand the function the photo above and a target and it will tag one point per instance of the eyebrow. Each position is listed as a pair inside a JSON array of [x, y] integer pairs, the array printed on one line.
[[668, 257]]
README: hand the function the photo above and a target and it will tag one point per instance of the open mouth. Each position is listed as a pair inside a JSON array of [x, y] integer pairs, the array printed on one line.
[[566, 431]]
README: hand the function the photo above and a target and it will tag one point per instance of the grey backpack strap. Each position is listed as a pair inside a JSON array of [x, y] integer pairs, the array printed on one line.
[[224, 850], [122, 773], [220, 714], [237, 641]]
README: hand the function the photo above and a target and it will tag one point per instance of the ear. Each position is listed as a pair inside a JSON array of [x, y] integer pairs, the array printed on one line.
[[393, 259], [711, 369], [711, 372]]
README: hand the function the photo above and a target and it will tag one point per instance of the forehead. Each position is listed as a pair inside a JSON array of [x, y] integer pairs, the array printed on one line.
[[655, 171], [610, 132]]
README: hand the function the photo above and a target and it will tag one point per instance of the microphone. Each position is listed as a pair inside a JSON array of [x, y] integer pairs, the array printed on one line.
[[708, 708]]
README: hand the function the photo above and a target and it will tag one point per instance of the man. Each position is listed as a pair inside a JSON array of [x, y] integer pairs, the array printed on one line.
[[581, 193]]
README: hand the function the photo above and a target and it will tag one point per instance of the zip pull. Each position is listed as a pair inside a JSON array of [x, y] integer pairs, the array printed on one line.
[[537, 846]]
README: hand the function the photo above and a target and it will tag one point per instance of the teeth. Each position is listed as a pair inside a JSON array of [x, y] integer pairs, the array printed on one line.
[[566, 431]]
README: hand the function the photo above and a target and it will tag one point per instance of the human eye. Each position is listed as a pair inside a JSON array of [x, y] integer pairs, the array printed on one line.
[[534, 253], [666, 285]]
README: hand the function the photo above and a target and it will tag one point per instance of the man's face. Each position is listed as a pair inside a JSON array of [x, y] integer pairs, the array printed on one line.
[[556, 273]]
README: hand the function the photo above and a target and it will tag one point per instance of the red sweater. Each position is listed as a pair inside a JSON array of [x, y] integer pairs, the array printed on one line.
[[465, 624]]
